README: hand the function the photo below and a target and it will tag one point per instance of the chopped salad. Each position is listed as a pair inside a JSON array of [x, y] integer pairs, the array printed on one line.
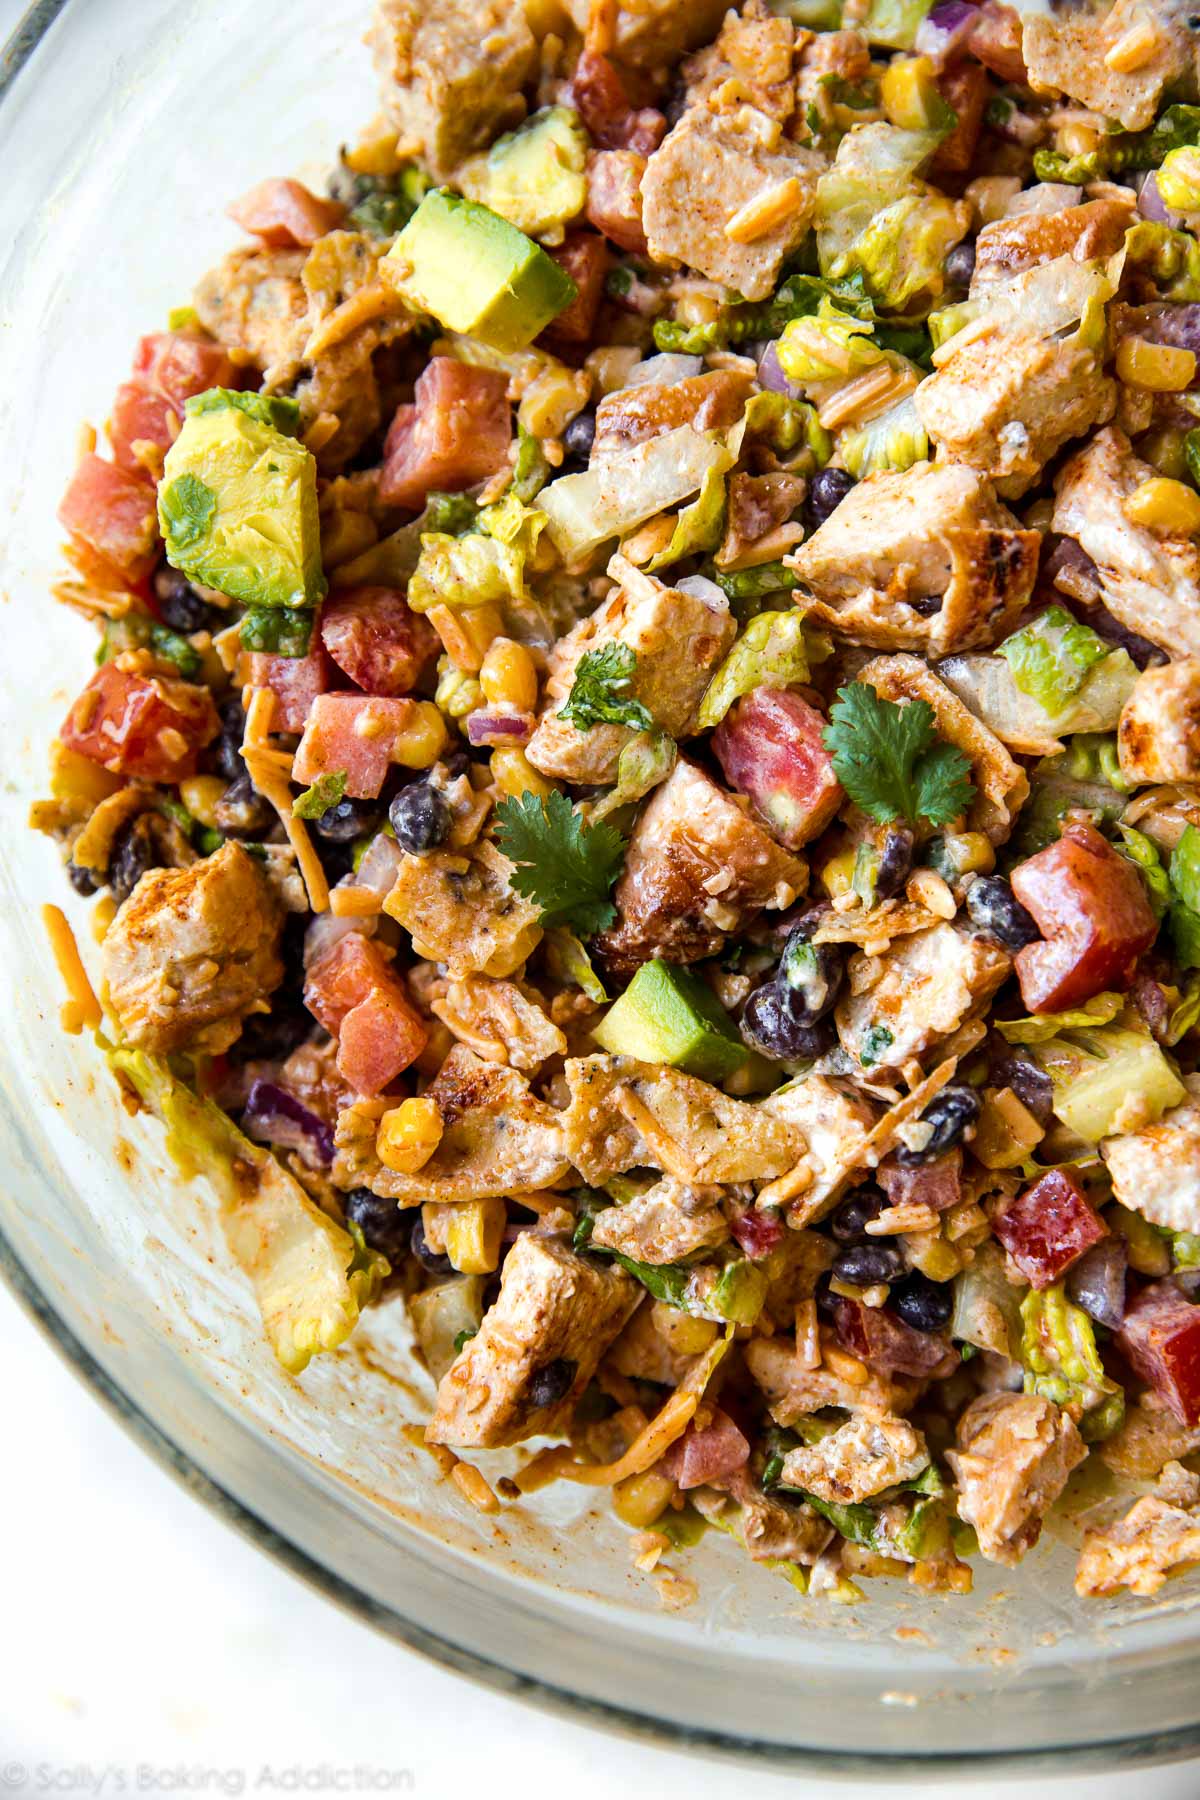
[[642, 777]]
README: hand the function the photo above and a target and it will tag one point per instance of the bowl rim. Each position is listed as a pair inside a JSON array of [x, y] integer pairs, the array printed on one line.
[[1158, 1747]]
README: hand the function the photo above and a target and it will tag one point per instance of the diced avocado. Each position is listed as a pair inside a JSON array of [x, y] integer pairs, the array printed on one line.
[[739, 1292], [668, 1015], [476, 273], [535, 176], [237, 504], [270, 409]]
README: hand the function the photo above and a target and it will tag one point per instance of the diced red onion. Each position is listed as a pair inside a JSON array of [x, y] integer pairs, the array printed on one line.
[[379, 867], [1097, 1281], [274, 1116], [757, 1233], [1177, 325], [701, 588], [500, 728], [946, 28], [327, 929], [772, 377], [1152, 206]]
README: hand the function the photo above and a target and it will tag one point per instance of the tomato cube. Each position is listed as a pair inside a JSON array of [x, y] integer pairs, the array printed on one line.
[[965, 88], [770, 748], [148, 726], [295, 682], [709, 1455], [456, 432], [112, 512], [378, 1040], [1093, 912], [614, 202], [1048, 1227], [376, 639], [178, 364], [1160, 1339], [284, 214], [886, 1342], [355, 733], [140, 416], [344, 976], [584, 255]]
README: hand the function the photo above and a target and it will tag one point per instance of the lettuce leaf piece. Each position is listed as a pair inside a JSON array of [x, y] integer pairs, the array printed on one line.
[[903, 249], [772, 651], [1142, 852], [570, 963], [700, 526], [442, 1314], [1038, 1028], [1108, 1079], [1062, 1363], [986, 1313], [876, 221], [1075, 171], [827, 345], [466, 571], [311, 1278], [391, 561], [1179, 179], [893, 23], [1051, 658], [643, 764], [624, 490], [895, 440], [786, 425], [1172, 258], [987, 685], [1183, 874], [1186, 1013]]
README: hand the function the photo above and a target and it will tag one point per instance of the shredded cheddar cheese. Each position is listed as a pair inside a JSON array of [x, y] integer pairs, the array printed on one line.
[[270, 771], [81, 1010]]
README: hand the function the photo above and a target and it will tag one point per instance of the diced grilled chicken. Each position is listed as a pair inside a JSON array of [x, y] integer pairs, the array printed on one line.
[[792, 1391], [903, 1003], [702, 176], [1156, 1172], [1007, 402], [833, 1119], [1008, 246], [451, 72], [341, 379], [774, 1530], [678, 640], [192, 951], [1147, 1439], [625, 1114], [1159, 1534], [459, 909], [1150, 584], [698, 867], [753, 53], [554, 1312], [633, 415], [1015, 1452], [843, 55], [1069, 54], [501, 1021], [254, 300], [1159, 734], [497, 1139], [870, 1452], [921, 559], [1001, 784], [669, 1221], [656, 32]]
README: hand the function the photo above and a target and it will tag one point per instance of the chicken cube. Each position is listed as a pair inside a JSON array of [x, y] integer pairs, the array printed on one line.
[[920, 559], [698, 867], [870, 1452], [500, 1020], [1147, 1439], [1159, 1534], [1156, 1172], [255, 301], [1015, 1453], [834, 1119], [451, 73], [632, 415], [1068, 54], [470, 919], [1150, 584], [703, 175], [192, 951], [1011, 245], [656, 32], [678, 640], [793, 1392], [900, 1005], [556, 1314], [1158, 738], [1007, 402], [669, 1221], [772, 1529], [753, 51]]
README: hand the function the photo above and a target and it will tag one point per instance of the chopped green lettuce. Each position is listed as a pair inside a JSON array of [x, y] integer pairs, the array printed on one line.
[[893, 23], [904, 248], [987, 1313], [895, 440], [1107, 1075], [786, 425], [1179, 179], [311, 1278], [465, 571], [700, 526], [391, 561], [626, 488], [1062, 1363], [874, 219], [644, 763], [988, 686], [1184, 877], [827, 345], [1142, 852], [1039, 1028], [772, 651], [570, 963], [1051, 657], [444, 1317]]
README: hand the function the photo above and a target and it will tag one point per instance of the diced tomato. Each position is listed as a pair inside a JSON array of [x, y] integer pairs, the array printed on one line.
[[338, 981], [937, 1184], [113, 513], [757, 1233], [600, 97], [354, 732], [1160, 1339], [456, 433], [1048, 1227], [965, 87], [699, 1457], [376, 639], [140, 417], [178, 364], [886, 1342], [295, 682], [284, 214], [996, 41], [357, 996], [585, 257], [770, 748], [1094, 914], [614, 202], [148, 726]]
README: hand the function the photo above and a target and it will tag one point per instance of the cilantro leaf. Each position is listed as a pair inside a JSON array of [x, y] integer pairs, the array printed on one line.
[[277, 630], [888, 760], [325, 792], [564, 866], [188, 506], [601, 677]]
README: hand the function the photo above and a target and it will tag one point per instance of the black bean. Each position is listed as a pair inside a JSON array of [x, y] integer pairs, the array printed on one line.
[[826, 494], [949, 1113], [420, 818], [925, 1305], [959, 266], [776, 1022], [84, 881], [136, 848], [927, 606], [241, 811], [384, 1226], [867, 1265], [547, 1386], [179, 605], [270, 1037], [812, 974], [1031, 1084], [428, 1259], [850, 1218], [580, 435], [344, 821], [895, 861], [993, 907], [227, 751]]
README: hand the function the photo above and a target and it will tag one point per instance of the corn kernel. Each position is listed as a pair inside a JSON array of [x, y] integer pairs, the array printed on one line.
[[641, 1499], [515, 775], [609, 366], [686, 1336], [932, 1255], [974, 853], [1162, 368], [456, 694], [1134, 48], [200, 794], [474, 1235], [1179, 179], [908, 93], [423, 739], [837, 876], [408, 1135], [346, 535], [467, 632], [508, 676], [552, 400], [1076, 139], [75, 777], [1165, 506], [374, 156], [103, 914]]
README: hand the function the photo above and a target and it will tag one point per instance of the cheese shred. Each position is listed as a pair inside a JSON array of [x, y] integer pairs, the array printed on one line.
[[81, 1009], [270, 771]]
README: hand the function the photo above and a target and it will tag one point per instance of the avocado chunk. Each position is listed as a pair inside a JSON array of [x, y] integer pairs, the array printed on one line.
[[476, 273], [535, 176], [668, 1015], [269, 409], [237, 505]]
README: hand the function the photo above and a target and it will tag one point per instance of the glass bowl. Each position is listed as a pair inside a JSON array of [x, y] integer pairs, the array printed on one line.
[[125, 127]]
